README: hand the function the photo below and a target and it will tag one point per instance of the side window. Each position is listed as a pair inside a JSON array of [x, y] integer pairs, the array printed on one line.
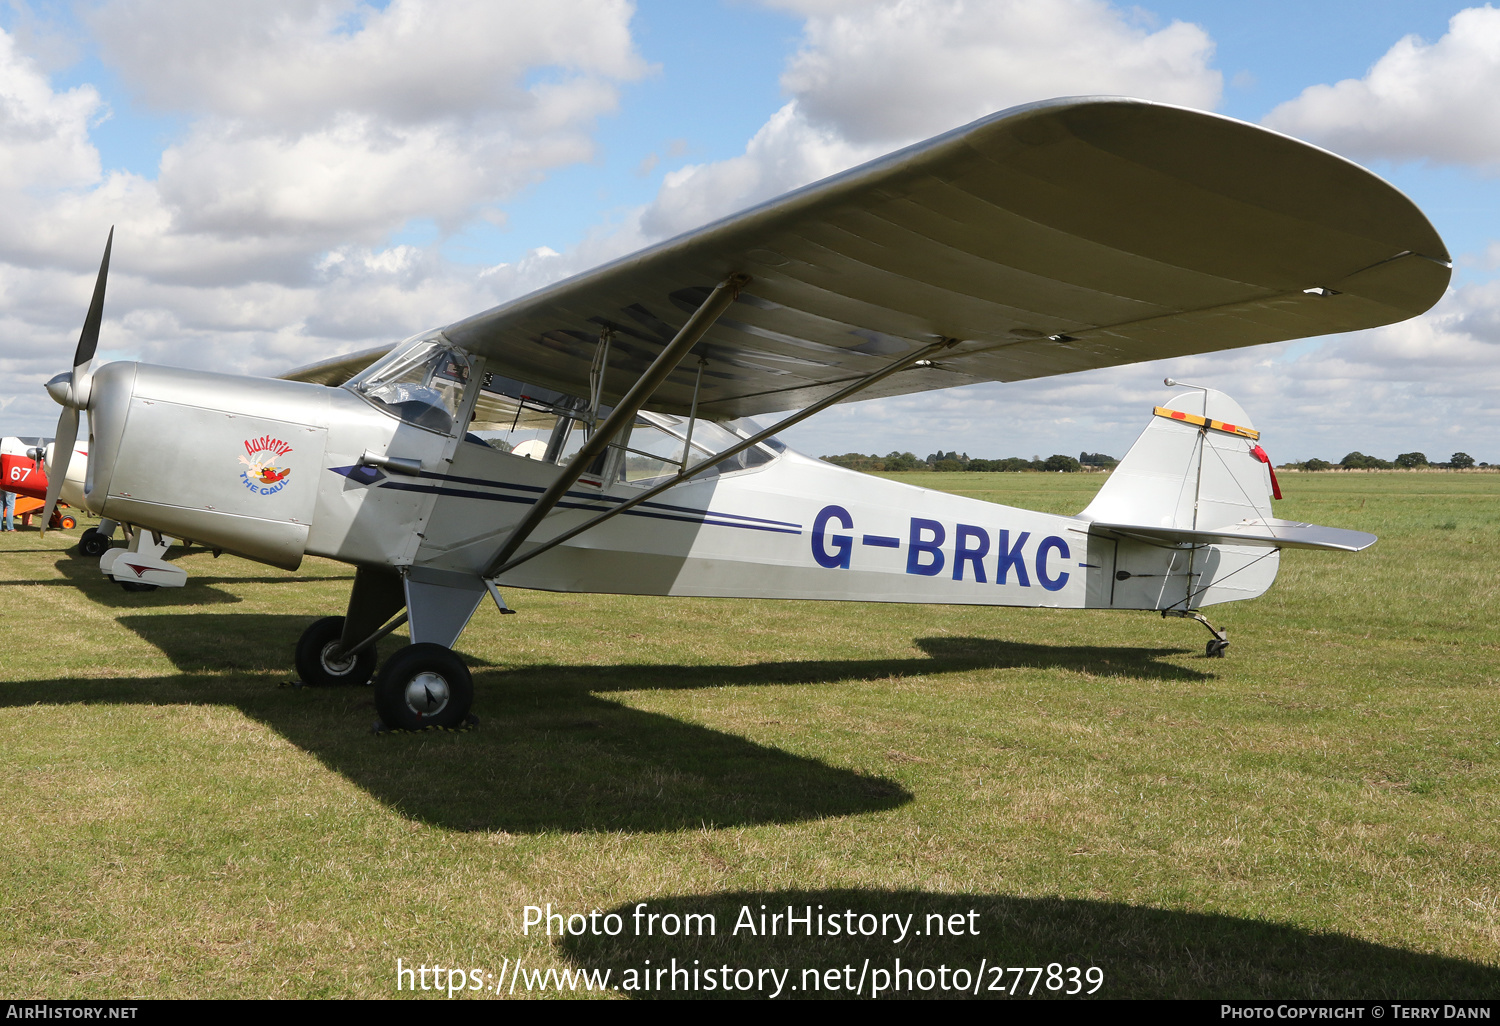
[[652, 452], [527, 421], [655, 448], [514, 424]]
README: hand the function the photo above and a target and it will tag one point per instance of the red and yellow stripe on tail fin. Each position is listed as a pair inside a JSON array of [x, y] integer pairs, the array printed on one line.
[[1205, 422]]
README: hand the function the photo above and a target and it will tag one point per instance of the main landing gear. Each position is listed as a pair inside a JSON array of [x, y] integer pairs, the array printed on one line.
[[424, 685], [92, 544], [1220, 642], [319, 661], [421, 686]]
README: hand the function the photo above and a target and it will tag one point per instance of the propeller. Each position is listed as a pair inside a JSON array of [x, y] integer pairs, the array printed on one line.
[[72, 390]]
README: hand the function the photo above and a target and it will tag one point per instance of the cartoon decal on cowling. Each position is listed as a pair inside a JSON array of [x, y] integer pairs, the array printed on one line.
[[262, 454]]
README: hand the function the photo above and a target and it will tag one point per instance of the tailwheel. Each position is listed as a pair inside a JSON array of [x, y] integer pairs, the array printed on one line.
[[1220, 643], [92, 543], [319, 661], [424, 685]]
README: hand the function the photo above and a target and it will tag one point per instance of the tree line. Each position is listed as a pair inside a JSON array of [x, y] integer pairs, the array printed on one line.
[[1405, 461], [956, 461]]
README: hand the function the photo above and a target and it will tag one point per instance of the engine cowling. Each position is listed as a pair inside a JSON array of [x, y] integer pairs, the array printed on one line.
[[229, 461]]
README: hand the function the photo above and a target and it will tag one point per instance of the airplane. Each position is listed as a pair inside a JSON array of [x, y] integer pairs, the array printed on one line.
[[595, 435], [23, 472], [23, 469]]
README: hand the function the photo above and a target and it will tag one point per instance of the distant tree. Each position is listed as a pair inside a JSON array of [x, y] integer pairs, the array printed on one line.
[[1408, 460], [1059, 462], [1010, 465], [1313, 464], [1096, 459], [856, 461], [1359, 461], [1460, 461], [947, 466], [903, 461]]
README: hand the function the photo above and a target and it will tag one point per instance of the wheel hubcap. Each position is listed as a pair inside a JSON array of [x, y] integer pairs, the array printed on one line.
[[427, 694], [336, 667]]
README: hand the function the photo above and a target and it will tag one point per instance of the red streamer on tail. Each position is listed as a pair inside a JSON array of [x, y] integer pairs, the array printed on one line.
[[1260, 454]]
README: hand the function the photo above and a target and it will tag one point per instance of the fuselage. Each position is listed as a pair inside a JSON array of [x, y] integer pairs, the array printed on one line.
[[272, 470]]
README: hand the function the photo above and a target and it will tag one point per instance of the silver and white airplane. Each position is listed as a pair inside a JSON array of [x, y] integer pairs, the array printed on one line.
[[593, 435]]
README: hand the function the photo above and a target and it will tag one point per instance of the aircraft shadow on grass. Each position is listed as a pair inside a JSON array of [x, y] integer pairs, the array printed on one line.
[[84, 575], [552, 753], [1143, 952]]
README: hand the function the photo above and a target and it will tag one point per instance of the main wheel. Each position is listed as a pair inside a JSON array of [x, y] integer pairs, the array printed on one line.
[[92, 543], [317, 661], [423, 685]]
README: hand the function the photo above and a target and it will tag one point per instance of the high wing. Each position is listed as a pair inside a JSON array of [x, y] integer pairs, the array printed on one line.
[[1053, 237]]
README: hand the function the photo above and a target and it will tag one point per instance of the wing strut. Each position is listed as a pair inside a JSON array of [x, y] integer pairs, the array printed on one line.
[[498, 566], [623, 415]]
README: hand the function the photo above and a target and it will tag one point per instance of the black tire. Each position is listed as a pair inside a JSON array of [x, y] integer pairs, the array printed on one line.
[[424, 685], [92, 544], [315, 662], [137, 586]]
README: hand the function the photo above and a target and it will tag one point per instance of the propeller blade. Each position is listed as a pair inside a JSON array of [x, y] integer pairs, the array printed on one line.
[[62, 452], [88, 340]]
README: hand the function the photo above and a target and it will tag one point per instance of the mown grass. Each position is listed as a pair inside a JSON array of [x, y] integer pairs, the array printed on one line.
[[1314, 816]]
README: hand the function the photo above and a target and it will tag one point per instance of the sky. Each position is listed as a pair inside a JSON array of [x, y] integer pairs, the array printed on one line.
[[294, 179]]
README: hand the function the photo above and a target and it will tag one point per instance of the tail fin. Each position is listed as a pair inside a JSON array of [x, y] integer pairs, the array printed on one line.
[[1195, 467], [1188, 513]]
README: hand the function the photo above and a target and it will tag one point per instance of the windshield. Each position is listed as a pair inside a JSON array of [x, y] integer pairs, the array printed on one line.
[[422, 384]]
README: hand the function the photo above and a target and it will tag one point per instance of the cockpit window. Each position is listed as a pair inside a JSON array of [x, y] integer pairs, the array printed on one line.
[[423, 384], [658, 441], [528, 420]]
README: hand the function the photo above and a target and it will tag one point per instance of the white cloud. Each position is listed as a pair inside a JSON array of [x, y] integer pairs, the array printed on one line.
[[1420, 101], [325, 122], [871, 77], [787, 152], [43, 134], [901, 70], [316, 131], [292, 63]]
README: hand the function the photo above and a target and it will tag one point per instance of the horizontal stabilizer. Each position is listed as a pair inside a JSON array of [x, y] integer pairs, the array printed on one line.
[[1266, 531]]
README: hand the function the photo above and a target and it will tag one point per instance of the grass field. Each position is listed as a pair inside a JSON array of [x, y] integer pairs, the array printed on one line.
[[1317, 815]]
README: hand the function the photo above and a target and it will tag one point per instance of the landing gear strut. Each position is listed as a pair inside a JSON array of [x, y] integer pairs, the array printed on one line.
[[1216, 647]]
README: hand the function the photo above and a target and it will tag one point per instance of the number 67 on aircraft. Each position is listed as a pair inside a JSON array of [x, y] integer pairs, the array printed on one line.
[[594, 435]]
